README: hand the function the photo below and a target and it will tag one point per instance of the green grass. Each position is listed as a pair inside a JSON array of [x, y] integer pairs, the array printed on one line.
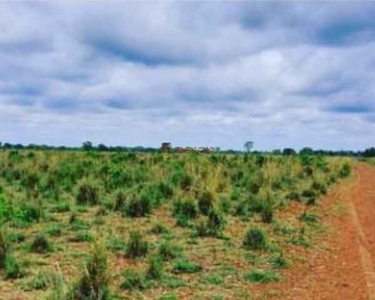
[[261, 276]]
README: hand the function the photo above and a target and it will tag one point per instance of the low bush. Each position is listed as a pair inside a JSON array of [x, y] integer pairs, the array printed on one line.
[[155, 270], [61, 207], [120, 201], [41, 281], [186, 266], [94, 281], [139, 206], [88, 193], [309, 218], [310, 197], [279, 262], [116, 244], [185, 210], [134, 281], [40, 244], [159, 229], [82, 236], [214, 225], [54, 230], [4, 249], [206, 201], [169, 251], [13, 268], [136, 246], [260, 276], [345, 170], [267, 212], [255, 239], [15, 237]]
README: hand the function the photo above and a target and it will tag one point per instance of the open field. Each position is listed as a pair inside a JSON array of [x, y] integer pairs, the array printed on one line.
[[89, 225]]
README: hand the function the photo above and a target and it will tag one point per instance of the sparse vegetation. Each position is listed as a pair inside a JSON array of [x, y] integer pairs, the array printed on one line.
[[168, 221]]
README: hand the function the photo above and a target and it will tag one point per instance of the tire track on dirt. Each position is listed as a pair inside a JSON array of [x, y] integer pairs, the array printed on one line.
[[365, 254]]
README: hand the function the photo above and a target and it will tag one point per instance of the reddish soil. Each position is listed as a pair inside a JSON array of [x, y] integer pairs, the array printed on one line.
[[344, 267]]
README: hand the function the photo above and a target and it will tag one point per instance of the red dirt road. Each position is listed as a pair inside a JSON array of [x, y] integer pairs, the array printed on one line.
[[346, 269]]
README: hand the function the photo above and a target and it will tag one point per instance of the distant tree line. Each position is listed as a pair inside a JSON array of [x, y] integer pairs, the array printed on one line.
[[88, 146]]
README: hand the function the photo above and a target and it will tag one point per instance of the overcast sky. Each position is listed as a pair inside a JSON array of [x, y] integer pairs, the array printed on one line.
[[192, 73]]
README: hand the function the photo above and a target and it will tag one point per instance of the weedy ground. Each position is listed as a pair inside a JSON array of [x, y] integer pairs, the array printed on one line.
[[90, 225]]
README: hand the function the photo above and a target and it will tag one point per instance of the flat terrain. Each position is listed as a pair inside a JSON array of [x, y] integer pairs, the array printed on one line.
[[186, 226], [344, 267]]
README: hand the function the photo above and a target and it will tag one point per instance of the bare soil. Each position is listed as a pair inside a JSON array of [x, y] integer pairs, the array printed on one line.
[[343, 266]]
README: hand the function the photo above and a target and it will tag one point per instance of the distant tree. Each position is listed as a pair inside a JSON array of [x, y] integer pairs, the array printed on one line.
[[289, 151], [7, 146], [102, 147], [306, 151], [248, 145], [87, 146], [369, 152]]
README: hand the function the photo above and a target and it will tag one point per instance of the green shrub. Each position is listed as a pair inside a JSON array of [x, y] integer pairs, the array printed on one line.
[[345, 170], [214, 225], [15, 237], [279, 262], [120, 201], [215, 221], [136, 247], [139, 206], [319, 187], [300, 239], [255, 205], [54, 230], [13, 269], [30, 180], [206, 201], [28, 213], [260, 276], [116, 244], [82, 236], [94, 281], [186, 266], [183, 180], [159, 229], [267, 212], [155, 269], [310, 197], [41, 281], [165, 189], [61, 207], [40, 244], [4, 249], [88, 193], [78, 224], [214, 279], [169, 251], [185, 210], [174, 282], [309, 218], [255, 239], [134, 281], [294, 196]]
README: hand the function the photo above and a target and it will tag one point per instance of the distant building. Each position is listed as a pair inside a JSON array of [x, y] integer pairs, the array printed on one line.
[[166, 146]]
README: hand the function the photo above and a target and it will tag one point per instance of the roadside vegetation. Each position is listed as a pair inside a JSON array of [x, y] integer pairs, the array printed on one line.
[[88, 225]]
